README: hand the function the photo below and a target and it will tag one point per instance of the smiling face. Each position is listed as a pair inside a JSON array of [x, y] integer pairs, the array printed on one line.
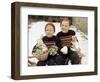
[[65, 26], [49, 30]]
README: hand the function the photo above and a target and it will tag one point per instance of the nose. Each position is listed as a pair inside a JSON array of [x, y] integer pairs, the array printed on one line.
[[63, 27]]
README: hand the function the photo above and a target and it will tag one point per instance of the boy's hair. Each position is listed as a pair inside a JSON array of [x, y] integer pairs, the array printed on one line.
[[66, 19], [51, 25]]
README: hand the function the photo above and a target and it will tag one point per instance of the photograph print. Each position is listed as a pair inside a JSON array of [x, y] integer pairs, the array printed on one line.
[[56, 40]]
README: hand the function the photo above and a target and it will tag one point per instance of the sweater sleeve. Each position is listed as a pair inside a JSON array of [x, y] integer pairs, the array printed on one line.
[[58, 42], [72, 32]]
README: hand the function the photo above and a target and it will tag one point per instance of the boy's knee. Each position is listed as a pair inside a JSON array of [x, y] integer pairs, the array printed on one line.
[[59, 60], [75, 58], [51, 62]]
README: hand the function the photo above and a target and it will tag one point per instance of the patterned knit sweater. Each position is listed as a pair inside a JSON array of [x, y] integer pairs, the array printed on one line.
[[65, 38], [50, 41]]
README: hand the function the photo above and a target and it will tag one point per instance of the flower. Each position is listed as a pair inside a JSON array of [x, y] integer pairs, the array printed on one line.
[[53, 50]]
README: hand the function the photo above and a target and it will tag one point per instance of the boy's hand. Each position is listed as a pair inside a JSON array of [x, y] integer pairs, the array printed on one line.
[[64, 50]]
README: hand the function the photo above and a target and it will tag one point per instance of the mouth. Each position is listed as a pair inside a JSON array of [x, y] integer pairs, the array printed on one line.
[[64, 29]]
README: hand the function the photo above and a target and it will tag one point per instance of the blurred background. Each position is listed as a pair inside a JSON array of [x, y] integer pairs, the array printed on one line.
[[81, 23]]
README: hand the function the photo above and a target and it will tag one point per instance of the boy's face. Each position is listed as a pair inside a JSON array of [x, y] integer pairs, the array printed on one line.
[[64, 26], [49, 31]]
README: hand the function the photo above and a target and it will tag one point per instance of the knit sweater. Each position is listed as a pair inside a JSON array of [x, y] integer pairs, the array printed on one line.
[[50, 41], [65, 38]]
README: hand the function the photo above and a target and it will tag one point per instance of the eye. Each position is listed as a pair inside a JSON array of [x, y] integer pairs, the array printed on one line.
[[65, 25], [46, 30], [62, 25]]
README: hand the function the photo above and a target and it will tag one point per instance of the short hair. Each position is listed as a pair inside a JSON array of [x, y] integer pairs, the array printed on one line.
[[66, 19], [51, 25]]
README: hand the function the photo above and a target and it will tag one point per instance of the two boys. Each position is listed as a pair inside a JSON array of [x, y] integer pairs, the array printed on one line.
[[64, 41]]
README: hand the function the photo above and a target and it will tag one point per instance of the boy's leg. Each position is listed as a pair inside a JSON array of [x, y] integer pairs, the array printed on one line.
[[73, 56], [51, 60], [60, 59], [66, 61]]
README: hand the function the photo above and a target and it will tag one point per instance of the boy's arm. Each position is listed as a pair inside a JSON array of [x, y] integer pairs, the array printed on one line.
[[58, 42], [63, 50]]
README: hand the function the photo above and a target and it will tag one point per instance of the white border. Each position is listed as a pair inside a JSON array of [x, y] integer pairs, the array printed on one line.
[[25, 70]]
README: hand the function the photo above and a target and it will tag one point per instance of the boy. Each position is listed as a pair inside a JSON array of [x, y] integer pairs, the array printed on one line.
[[65, 37], [51, 42]]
